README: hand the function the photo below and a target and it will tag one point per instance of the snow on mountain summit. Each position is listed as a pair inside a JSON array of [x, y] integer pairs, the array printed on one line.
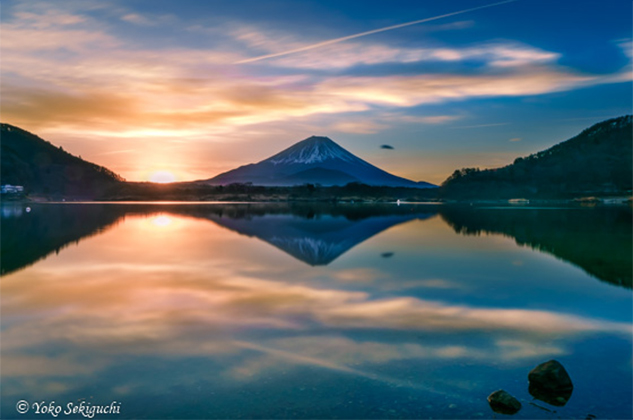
[[312, 150]]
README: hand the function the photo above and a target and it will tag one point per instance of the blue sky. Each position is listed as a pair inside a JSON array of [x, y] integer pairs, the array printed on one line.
[[146, 86]]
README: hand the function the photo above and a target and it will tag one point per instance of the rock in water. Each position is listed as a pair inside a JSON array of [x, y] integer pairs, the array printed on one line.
[[551, 383], [503, 403]]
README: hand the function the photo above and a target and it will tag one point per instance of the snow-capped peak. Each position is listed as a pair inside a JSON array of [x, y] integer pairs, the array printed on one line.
[[312, 150]]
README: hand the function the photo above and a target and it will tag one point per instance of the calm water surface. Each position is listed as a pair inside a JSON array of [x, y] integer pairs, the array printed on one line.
[[272, 311]]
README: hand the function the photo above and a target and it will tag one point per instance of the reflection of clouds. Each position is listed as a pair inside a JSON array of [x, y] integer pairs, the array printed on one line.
[[81, 316], [525, 349], [66, 365], [157, 315], [361, 275], [302, 353], [411, 313], [160, 301], [381, 280], [357, 356], [439, 284]]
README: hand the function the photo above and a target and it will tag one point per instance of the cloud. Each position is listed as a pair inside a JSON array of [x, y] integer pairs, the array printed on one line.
[[358, 127], [407, 91], [345, 56], [362, 34], [136, 19], [114, 152], [38, 107], [106, 85], [61, 35], [626, 45], [515, 139], [483, 125], [430, 119]]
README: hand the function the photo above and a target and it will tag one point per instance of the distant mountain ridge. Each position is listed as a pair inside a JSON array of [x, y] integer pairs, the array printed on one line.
[[315, 160], [598, 161], [43, 168]]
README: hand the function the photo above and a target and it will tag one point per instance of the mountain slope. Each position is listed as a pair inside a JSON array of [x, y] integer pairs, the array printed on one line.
[[42, 168], [596, 162], [316, 160]]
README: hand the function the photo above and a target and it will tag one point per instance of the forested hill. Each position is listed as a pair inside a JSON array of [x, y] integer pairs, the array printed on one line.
[[43, 168], [598, 161]]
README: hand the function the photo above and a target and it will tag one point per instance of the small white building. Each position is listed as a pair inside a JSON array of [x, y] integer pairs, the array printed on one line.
[[11, 189]]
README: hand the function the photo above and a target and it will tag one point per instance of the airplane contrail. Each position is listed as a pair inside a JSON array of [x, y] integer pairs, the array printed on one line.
[[314, 361], [374, 31]]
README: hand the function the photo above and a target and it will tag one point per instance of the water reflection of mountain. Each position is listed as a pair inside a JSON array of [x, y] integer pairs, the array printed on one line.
[[598, 240], [315, 234], [30, 234], [318, 235]]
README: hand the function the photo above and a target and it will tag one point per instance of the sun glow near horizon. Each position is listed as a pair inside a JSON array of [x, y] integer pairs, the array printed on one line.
[[162, 177]]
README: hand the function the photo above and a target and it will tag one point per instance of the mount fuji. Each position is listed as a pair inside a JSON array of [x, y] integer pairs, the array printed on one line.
[[315, 160]]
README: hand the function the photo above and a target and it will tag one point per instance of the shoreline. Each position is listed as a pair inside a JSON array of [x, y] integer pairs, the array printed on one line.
[[511, 203]]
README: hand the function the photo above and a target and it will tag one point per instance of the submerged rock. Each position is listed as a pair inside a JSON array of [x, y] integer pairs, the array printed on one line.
[[503, 403], [550, 382]]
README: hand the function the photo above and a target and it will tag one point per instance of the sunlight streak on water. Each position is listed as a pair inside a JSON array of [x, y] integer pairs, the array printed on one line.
[[162, 221]]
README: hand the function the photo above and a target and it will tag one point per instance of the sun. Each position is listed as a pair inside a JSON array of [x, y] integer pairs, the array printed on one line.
[[162, 177], [161, 221]]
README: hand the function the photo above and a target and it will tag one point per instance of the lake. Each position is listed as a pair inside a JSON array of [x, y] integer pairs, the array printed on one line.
[[313, 311]]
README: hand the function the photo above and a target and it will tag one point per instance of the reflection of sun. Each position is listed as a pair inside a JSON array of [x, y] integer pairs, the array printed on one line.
[[162, 177], [162, 221]]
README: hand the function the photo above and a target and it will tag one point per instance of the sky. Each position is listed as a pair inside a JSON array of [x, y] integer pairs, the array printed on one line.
[[192, 89]]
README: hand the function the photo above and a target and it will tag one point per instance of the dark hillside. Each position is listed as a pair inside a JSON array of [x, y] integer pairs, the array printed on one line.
[[42, 168], [596, 162]]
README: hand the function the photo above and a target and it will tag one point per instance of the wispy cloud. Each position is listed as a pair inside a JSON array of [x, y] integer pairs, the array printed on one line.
[[341, 56], [115, 152], [136, 19], [362, 34], [626, 45], [358, 127], [406, 91], [430, 119], [482, 125]]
